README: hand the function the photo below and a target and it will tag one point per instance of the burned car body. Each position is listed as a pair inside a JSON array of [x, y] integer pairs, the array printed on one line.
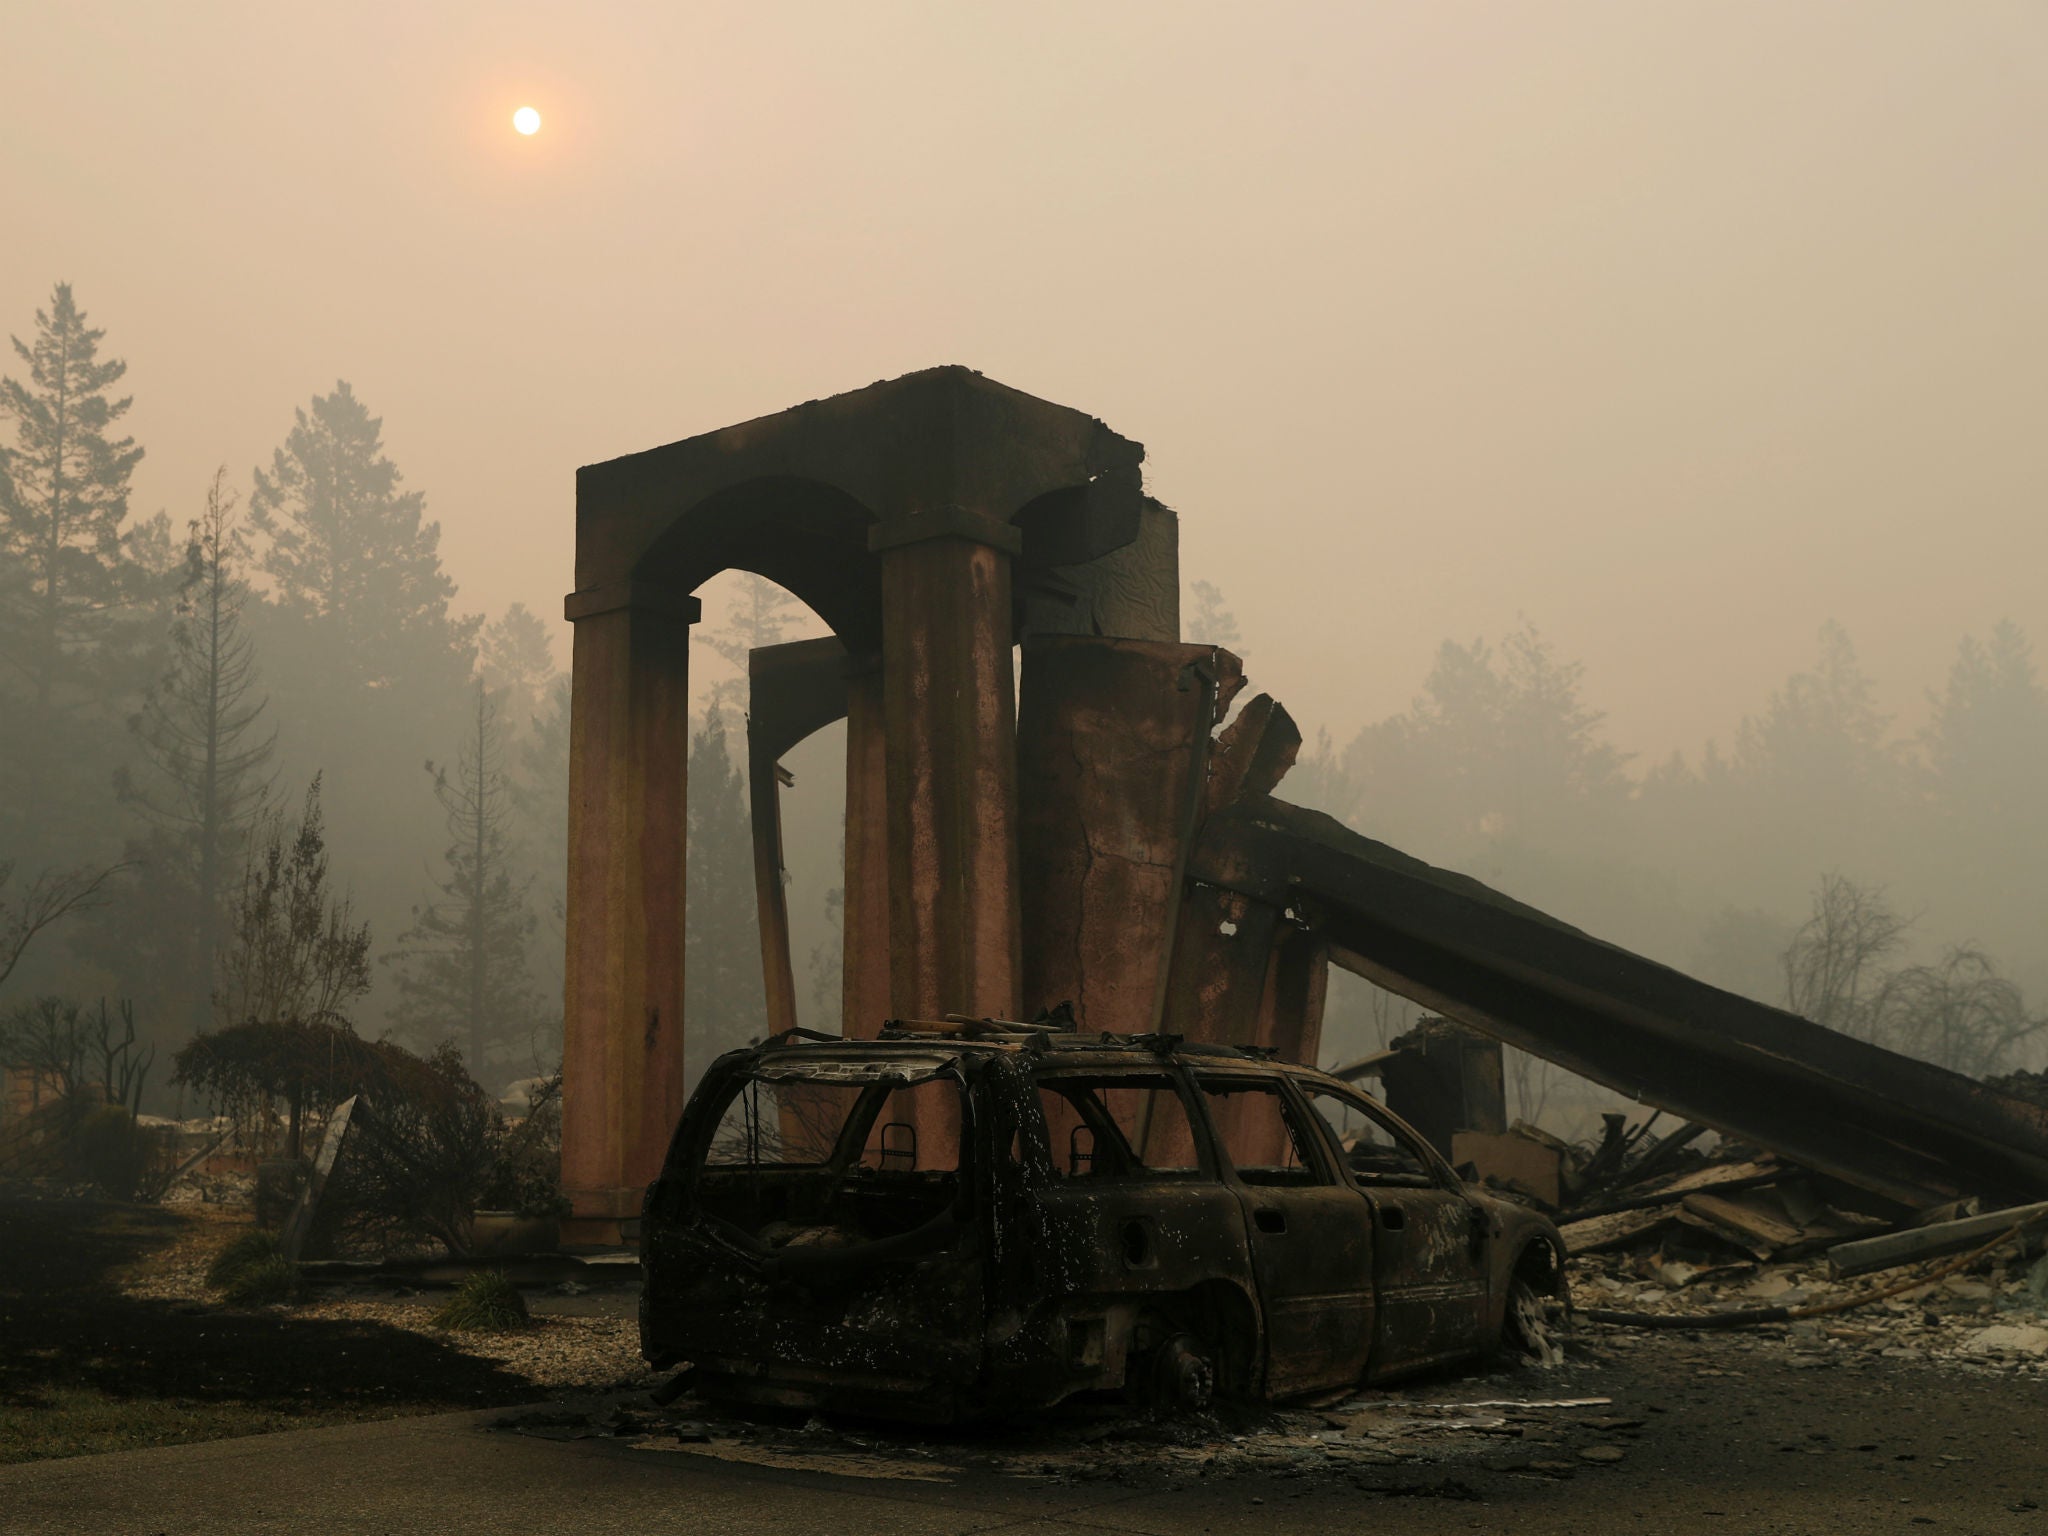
[[937, 1225]]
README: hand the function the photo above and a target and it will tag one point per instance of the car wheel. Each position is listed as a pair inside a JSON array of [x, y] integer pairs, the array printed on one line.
[[1183, 1374], [1530, 1327]]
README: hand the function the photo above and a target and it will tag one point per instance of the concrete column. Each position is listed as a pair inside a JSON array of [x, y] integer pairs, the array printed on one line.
[[1297, 985], [1221, 955], [1109, 734], [628, 778], [864, 989], [771, 898], [950, 707]]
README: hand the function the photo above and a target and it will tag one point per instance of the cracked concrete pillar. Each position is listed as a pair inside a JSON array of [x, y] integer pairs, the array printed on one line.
[[1108, 736], [1297, 986], [628, 779], [864, 973], [951, 758]]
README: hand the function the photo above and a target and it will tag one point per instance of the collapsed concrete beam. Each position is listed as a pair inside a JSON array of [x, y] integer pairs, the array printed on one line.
[[1898, 1127]]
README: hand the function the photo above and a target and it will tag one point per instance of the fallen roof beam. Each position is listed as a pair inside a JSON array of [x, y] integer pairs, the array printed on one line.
[[1898, 1127]]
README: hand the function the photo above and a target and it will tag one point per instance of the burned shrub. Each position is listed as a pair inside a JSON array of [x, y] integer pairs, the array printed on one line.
[[433, 1148], [248, 1249], [85, 1079], [487, 1302], [263, 1283], [306, 1066]]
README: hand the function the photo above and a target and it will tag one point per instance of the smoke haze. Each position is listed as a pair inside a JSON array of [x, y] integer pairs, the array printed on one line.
[[1676, 332]]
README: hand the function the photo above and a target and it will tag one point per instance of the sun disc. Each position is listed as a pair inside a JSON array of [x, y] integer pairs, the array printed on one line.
[[526, 120]]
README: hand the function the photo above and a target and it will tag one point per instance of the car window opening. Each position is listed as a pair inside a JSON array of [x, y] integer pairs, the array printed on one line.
[[1373, 1152], [1260, 1133], [796, 1163], [1117, 1127]]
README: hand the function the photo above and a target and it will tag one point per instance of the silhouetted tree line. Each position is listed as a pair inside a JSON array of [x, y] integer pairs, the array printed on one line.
[[194, 721], [1775, 867], [191, 718]]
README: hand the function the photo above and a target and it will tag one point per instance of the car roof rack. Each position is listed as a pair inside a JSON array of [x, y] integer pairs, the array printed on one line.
[[1038, 1035], [960, 1025]]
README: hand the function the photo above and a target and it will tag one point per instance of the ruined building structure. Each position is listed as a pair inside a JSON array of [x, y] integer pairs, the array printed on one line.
[[1043, 804]]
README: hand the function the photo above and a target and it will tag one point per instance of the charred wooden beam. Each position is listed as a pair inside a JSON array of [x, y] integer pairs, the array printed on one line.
[[1898, 1127]]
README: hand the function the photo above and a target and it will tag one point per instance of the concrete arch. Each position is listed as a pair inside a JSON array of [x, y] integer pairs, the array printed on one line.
[[927, 520], [807, 536]]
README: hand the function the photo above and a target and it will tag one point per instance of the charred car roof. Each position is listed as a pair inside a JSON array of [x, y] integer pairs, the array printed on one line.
[[906, 1053]]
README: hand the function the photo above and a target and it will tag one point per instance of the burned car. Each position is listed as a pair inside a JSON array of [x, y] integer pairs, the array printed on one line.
[[954, 1220]]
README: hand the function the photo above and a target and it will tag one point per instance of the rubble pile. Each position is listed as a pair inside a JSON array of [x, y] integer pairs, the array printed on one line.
[[1994, 1316], [1665, 1230], [1733, 1204]]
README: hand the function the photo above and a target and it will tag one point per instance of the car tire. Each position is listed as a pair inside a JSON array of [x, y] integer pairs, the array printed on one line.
[[1530, 1325], [1181, 1375]]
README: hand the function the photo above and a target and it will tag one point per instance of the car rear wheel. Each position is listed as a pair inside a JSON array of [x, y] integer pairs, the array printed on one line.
[[1530, 1327], [1182, 1374]]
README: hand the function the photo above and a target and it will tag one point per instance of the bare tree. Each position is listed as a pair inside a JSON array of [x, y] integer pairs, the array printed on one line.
[[1392, 1015], [294, 951], [208, 775], [51, 897], [1831, 964], [62, 1046], [1958, 1013], [462, 966], [1529, 1081]]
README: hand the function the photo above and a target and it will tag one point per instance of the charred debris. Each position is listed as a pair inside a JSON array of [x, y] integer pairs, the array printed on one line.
[[1668, 1224], [1051, 794]]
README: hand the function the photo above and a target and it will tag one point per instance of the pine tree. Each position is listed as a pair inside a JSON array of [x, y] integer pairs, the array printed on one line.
[[65, 573], [204, 771], [517, 663], [463, 973], [1988, 737], [364, 656], [540, 795], [761, 615], [1822, 728], [351, 552], [1814, 782], [723, 997], [1209, 622], [1500, 747]]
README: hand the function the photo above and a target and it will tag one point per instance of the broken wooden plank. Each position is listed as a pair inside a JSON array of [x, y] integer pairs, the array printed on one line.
[[1617, 1229], [300, 1222], [1654, 1164], [1720, 1177], [1749, 1224], [1714, 1176], [1894, 1248]]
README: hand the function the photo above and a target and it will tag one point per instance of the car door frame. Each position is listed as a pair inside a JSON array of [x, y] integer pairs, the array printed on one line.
[[1310, 1247], [1421, 1319]]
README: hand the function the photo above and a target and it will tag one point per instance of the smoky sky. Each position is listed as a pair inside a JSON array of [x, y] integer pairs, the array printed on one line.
[[1677, 329]]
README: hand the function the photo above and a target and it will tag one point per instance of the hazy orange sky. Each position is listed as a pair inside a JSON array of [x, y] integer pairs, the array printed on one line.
[[1677, 328]]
